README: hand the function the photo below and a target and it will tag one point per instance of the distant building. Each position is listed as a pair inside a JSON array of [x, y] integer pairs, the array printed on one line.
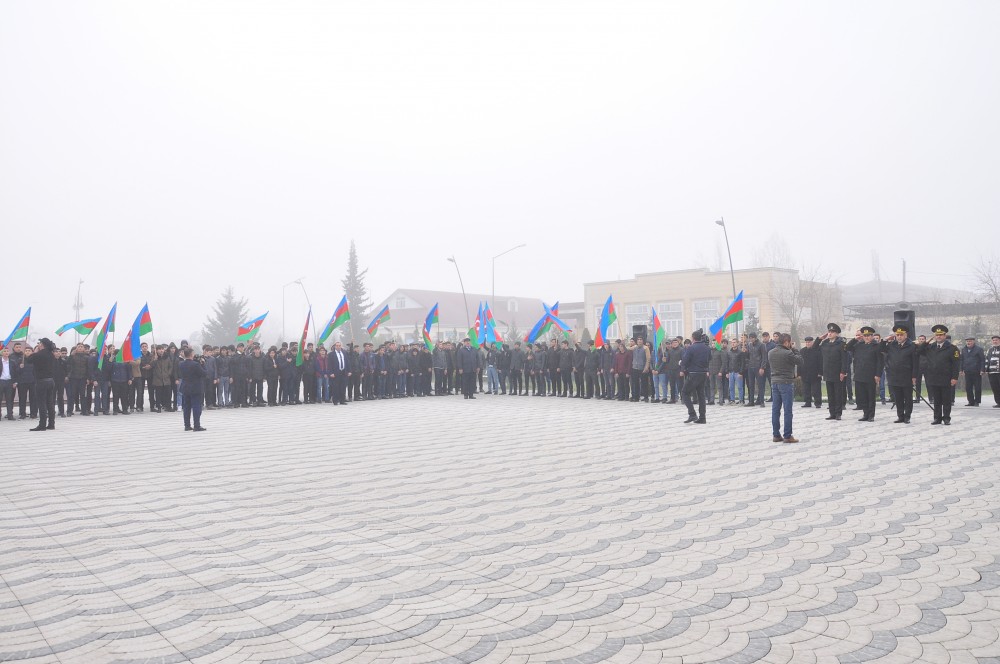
[[685, 300], [408, 309]]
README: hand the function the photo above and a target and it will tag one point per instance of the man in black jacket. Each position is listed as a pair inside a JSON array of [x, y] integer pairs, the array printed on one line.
[[694, 370], [973, 365], [943, 363], [812, 374], [835, 364], [902, 365], [867, 370], [468, 367]]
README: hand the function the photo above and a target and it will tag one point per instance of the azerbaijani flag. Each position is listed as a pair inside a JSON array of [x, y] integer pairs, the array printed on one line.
[[302, 341], [492, 336], [608, 316], [476, 335], [380, 318], [658, 333], [249, 329], [432, 318], [101, 343], [20, 330], [341, 315], [548, 319], [732, 315], [84, 327], [131, 350]]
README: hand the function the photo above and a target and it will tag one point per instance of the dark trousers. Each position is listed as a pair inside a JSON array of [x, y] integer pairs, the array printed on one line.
[[257, 391], [25, 395], [835, 397], [192, 405], [723, 384], [137, 393], [622, 392], [673, 386], [694, 388], [152, 392], [468, 383], [7, 394], [87, 398], [995, 386], [60, 397], [163, 393], [119, 393], [609, 385], [211, 393], [369, 389], [636, 384], [77, 388], [866, 393], [516, 381], [309, 389], [591, 384], [338, 387], [902, 396], [940, 395], [755, 386], [813, 389], [240, 391], [272, 391], [45, 395], [974, 387]]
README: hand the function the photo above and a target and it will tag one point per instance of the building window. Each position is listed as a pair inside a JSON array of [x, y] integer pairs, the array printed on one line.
[[636, 314], [706, 312], [512, 306], [750, 306], [672, 318], [400, 303]]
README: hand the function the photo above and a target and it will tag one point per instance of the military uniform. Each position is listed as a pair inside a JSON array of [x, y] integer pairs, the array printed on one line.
[[867, 367], [902, 363], [835, 364], [943, 363]]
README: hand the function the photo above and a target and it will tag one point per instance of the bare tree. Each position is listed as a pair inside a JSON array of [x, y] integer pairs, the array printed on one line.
[[809, 296], [986, 277], [773, 253]]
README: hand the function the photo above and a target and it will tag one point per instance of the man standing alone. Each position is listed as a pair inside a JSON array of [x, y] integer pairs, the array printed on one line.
[[973, 364], [783, 359], [694, 370]]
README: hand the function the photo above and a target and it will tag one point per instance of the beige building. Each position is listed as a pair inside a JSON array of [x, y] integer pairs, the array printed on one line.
[[686, 300]]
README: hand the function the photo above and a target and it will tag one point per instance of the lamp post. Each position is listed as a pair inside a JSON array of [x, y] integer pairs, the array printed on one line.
[[464, 299], [732, 275], [283, 289], [493, 271]]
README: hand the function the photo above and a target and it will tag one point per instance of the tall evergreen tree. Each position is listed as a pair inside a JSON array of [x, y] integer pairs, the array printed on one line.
[[229, 314], [357, 299]]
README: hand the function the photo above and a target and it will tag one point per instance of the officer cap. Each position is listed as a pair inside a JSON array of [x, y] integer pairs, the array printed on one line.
[[940, 329], [867, 329], [833, 327], [898, 329]]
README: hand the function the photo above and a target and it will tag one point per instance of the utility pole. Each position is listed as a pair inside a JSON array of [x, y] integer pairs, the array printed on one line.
[[78, 307]]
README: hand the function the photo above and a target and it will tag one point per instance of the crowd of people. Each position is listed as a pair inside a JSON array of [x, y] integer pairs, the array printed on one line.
[[44, 380]]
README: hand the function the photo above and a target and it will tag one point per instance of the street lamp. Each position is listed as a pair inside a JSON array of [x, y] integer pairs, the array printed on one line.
[[732, 275], [493, 280], [283, 289], [465, 299]]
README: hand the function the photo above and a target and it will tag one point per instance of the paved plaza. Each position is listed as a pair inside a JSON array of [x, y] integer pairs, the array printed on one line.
[[500, 530]]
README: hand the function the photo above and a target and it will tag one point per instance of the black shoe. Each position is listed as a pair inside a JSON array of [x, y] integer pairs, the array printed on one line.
[[947, 422], [858, 408], [200, 429], [51, 426], [806, 405], [690, 419], [699, 421], [936, 422], [899, 421], [863, 419], [472, 396], [37, 429]]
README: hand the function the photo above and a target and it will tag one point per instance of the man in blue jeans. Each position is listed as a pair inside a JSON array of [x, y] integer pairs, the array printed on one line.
[[783, 359]]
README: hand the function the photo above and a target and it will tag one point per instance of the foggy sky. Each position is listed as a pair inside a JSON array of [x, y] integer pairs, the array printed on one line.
[[162, 151]]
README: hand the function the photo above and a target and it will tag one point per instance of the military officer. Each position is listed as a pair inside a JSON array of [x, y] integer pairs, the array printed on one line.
[[943, 363], [902, 363], [835, 364], [867, 370]]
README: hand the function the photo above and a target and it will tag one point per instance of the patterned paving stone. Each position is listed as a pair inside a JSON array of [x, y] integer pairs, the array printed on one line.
[[503, 530]]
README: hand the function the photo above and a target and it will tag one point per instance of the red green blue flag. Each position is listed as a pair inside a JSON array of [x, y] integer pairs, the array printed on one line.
[[20, 330], [432, 318], [492, 336], [658, 334], [381, 317], [476, 335], [131, 349], [249, 329], [341, 315], [732, 315], [84, 327], [302, 341], [101, 343], [545, 323], [608, 316]]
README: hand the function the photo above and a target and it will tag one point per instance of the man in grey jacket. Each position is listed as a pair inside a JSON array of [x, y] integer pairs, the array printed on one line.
[[783, 360]]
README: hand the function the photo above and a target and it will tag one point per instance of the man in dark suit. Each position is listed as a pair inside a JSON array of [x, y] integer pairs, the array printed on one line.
[[468, 367], [339, 365], [192, 378]]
